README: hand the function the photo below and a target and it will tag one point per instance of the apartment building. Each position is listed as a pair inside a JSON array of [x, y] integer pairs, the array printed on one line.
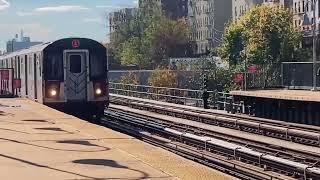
[[303, 15], [240, 7], [174, 9], [117, 18], [207, 19]]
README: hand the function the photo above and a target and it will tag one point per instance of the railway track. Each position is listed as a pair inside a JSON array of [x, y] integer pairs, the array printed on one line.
[[302, 134], [230, 156], [308, 157]]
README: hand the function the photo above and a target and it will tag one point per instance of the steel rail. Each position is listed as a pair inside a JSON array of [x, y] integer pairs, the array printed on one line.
[[287, 131], [156, 135], [288, 153], [216, 146]]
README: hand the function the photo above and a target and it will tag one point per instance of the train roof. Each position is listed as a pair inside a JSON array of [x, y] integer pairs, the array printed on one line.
[[38, 48], [31, 49]]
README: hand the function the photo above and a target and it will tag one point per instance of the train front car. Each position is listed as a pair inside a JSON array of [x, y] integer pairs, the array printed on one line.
[[75, 76]]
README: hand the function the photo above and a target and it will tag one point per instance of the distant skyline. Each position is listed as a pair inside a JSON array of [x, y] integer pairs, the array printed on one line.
[[47, 20]]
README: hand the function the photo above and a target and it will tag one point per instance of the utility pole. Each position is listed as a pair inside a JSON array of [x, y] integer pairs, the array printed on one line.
[[306, 22], [314, 51]]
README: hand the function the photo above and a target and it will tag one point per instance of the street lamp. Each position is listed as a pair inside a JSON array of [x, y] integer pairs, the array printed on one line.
[[305, 22]]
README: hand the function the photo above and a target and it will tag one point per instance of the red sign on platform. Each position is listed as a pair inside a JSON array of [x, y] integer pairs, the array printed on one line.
[[75, 43], [4, 74], [16, 83]]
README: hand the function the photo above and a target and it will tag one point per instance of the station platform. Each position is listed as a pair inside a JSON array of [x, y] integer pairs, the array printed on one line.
[[295, 95], [38, 142], [297, 106]]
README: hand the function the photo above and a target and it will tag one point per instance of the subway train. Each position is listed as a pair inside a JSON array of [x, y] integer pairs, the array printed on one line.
[[68, 74]]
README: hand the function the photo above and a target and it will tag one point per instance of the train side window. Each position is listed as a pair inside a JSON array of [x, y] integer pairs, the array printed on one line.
[[14, 67], [75, 64], [26, 65], [30, 64], [35, 61], [19, 67], [40, 66]]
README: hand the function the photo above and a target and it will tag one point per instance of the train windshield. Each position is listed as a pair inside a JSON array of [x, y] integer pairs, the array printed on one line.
[[53, 66], [97, 66]]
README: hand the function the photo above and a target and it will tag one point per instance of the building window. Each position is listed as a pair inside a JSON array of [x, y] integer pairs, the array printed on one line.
[[235, 11]]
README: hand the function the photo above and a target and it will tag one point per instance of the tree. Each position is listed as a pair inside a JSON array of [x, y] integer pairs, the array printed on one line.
[[131, 53], [170, 39], [130, 78], [150, 37], [163, 78], [264, 36]]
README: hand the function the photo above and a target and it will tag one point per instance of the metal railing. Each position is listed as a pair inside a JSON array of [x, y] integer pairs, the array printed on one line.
[[174, 95], [217, 100], [299, 75]]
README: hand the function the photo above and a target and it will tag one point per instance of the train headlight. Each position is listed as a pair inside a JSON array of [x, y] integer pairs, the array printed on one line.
[[53, 92], [52, 89], [98, 91]]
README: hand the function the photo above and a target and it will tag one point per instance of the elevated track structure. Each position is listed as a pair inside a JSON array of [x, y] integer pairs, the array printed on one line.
[[241, 158]]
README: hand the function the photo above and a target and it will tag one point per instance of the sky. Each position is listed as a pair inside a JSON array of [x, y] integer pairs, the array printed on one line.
[[48, 20]]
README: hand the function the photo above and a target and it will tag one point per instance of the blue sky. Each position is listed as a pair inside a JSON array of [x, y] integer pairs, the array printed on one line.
[[48, 20]]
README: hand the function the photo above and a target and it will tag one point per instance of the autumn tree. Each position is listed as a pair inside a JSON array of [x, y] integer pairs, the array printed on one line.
[[163, 78], [264, 36], [129, 78]]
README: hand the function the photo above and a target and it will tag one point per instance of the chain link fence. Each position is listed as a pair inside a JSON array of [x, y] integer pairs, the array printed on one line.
[[257, 77], [185, 79], [299, 75]]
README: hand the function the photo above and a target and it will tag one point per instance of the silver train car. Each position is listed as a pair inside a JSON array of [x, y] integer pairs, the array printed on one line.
[[68, 73]]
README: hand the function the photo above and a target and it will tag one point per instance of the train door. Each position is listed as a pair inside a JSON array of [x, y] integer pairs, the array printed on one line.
[[76, 74], [35, 78], [26, 73]]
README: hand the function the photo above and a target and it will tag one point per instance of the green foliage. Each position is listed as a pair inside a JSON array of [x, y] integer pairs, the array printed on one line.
[[219, 78], [129, 78], [149, 38], [264, 36], [131, 54], [169, 39], [163, 78]]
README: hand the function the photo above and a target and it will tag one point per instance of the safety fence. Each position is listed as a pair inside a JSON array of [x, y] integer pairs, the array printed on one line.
[[185, 79], [257, 77], [299, 75], [216, 100], [254, 78], [291, 75]]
